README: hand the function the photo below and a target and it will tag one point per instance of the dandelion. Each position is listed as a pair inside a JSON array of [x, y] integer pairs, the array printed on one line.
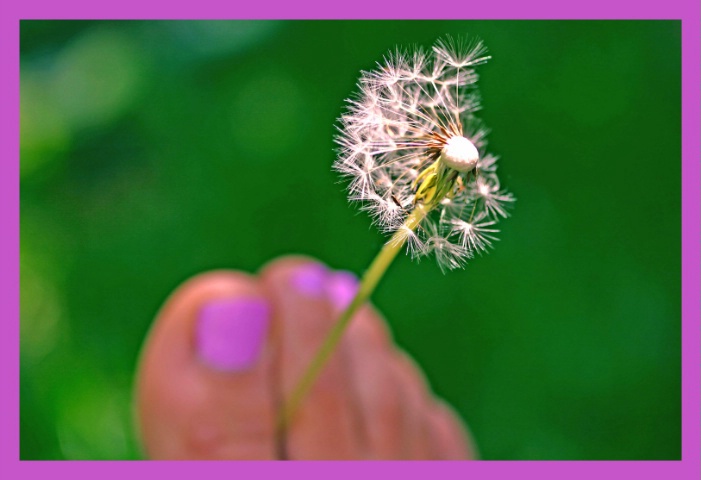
[[415, 156], [410, 138]]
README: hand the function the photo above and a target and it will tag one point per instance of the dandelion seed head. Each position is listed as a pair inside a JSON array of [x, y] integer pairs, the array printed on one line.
[[410, 137]]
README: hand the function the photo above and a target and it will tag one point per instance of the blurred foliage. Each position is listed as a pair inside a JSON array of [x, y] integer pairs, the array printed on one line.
[[151, 151]]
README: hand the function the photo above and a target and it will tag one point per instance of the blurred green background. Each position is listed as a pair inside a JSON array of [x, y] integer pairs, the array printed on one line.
[[151, 151]]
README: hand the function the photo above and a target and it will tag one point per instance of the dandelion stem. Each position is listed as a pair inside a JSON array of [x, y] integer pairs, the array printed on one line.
[[372, 277]]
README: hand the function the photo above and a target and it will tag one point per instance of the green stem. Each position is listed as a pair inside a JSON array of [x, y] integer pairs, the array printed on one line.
[[372, 277]]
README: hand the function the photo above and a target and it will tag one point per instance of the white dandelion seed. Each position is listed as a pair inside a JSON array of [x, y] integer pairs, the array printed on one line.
[[449, 255], [475, 235], [415, 247], [410, 139], [491, 197]]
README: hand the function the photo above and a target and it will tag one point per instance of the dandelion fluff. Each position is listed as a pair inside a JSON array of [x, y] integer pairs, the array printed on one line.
[[410, 137], [415, 156]]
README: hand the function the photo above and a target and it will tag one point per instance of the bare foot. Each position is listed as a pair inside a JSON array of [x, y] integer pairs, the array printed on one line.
[[227, 347]]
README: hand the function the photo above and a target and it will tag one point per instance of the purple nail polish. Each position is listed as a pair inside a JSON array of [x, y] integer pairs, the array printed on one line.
[[341, 287], [310, 279], [231, 332]]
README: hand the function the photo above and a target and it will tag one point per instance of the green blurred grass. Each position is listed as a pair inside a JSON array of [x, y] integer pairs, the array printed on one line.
[[151, 151]]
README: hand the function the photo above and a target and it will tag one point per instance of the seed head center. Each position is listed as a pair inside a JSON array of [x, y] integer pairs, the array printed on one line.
[[459, 154]]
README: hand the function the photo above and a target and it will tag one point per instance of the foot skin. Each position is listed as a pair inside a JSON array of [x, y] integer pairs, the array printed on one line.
[[227, 348]]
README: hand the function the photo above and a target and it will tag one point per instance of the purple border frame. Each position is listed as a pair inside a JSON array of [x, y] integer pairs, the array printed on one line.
[[686, 10]]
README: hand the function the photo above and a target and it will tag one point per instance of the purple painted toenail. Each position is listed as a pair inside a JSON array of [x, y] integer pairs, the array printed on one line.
[[231, 332], [310, 279], [341, 288]]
